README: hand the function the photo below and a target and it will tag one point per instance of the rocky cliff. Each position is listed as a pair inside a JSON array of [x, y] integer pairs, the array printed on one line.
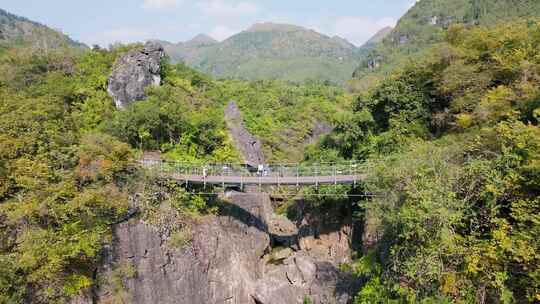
[[246, 255], [245, 142], [135, 71]]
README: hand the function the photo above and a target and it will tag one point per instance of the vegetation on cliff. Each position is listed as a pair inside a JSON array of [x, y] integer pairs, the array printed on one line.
[[19, 30], [455, 144], [426, 23], [67, 154], [454, 140]]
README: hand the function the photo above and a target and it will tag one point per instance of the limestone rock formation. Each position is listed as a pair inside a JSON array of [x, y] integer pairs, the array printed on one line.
[[133, 72], [245, 142], [233, 258]]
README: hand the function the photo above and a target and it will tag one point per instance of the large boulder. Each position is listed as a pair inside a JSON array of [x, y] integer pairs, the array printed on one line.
[[135, 71]]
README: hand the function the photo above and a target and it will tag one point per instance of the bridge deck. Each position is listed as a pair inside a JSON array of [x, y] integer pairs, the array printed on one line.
[[266, 180], [231, 174]]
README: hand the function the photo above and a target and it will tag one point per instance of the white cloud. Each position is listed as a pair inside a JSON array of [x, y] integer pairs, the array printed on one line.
[[137, 34], [222, 32], [222, 8], [160, 4], [124, 35], [358, 30]]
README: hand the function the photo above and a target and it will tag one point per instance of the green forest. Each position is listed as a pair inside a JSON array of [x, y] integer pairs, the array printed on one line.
[[453, 140], [67, 155], [455, 144]]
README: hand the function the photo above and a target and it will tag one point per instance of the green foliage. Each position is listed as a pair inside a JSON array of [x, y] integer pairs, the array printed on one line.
[[180, 239], [61, 188], [65, 174], [426, 24], [458, 177], [117, 280], [307, 300], [479, 77], [286, 117], [453, 139]]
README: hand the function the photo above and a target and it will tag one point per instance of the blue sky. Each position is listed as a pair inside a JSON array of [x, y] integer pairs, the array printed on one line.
[[107, 21]]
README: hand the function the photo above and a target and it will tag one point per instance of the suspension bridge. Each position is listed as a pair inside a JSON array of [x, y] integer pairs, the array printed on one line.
[[239, 175]]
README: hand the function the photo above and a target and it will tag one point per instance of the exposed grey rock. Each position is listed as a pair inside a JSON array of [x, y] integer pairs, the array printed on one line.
[[282, 254], [247, 144], [283, 231], [325, 244], [225, 262], [306, 268], [373, 232], [81, 299], [403, 39], [320, 129], [133, 72], [374, 62]]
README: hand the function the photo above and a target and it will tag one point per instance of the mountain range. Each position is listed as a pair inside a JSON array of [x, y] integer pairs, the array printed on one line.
[[270, 50], [263, 51], [19, 30], [293, 53], [426, 23]]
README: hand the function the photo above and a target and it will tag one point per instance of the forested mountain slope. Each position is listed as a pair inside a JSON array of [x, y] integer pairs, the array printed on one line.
[[272, 51], [188, 51], [454, 140], [19, 30], [379, 36], [426, 24]]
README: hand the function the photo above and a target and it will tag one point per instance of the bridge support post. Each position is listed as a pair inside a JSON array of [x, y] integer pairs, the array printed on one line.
[[316, 177], [354, 172], [280, 169], [205, 173], [186, 173], [335, 177], [223, 178], [297, 177]]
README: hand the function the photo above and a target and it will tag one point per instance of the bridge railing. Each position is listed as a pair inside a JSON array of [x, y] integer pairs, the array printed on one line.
[[276, 170]]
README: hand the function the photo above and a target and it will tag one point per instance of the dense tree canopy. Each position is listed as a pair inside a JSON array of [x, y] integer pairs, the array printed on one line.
[[67, 155], [453, 139], [455, 143]]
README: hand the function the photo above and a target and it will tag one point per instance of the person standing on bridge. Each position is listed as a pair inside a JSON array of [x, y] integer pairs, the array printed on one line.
[[205, 172], [260, 169]]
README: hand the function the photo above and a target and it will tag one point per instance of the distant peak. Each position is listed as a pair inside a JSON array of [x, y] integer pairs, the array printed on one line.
[[202, 39], [271, 27], [386, 30], [380, 35], [344, 42]]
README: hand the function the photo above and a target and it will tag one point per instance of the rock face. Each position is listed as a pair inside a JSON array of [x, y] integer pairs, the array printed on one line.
[[247, 144], [133, 72], [243, 256]]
